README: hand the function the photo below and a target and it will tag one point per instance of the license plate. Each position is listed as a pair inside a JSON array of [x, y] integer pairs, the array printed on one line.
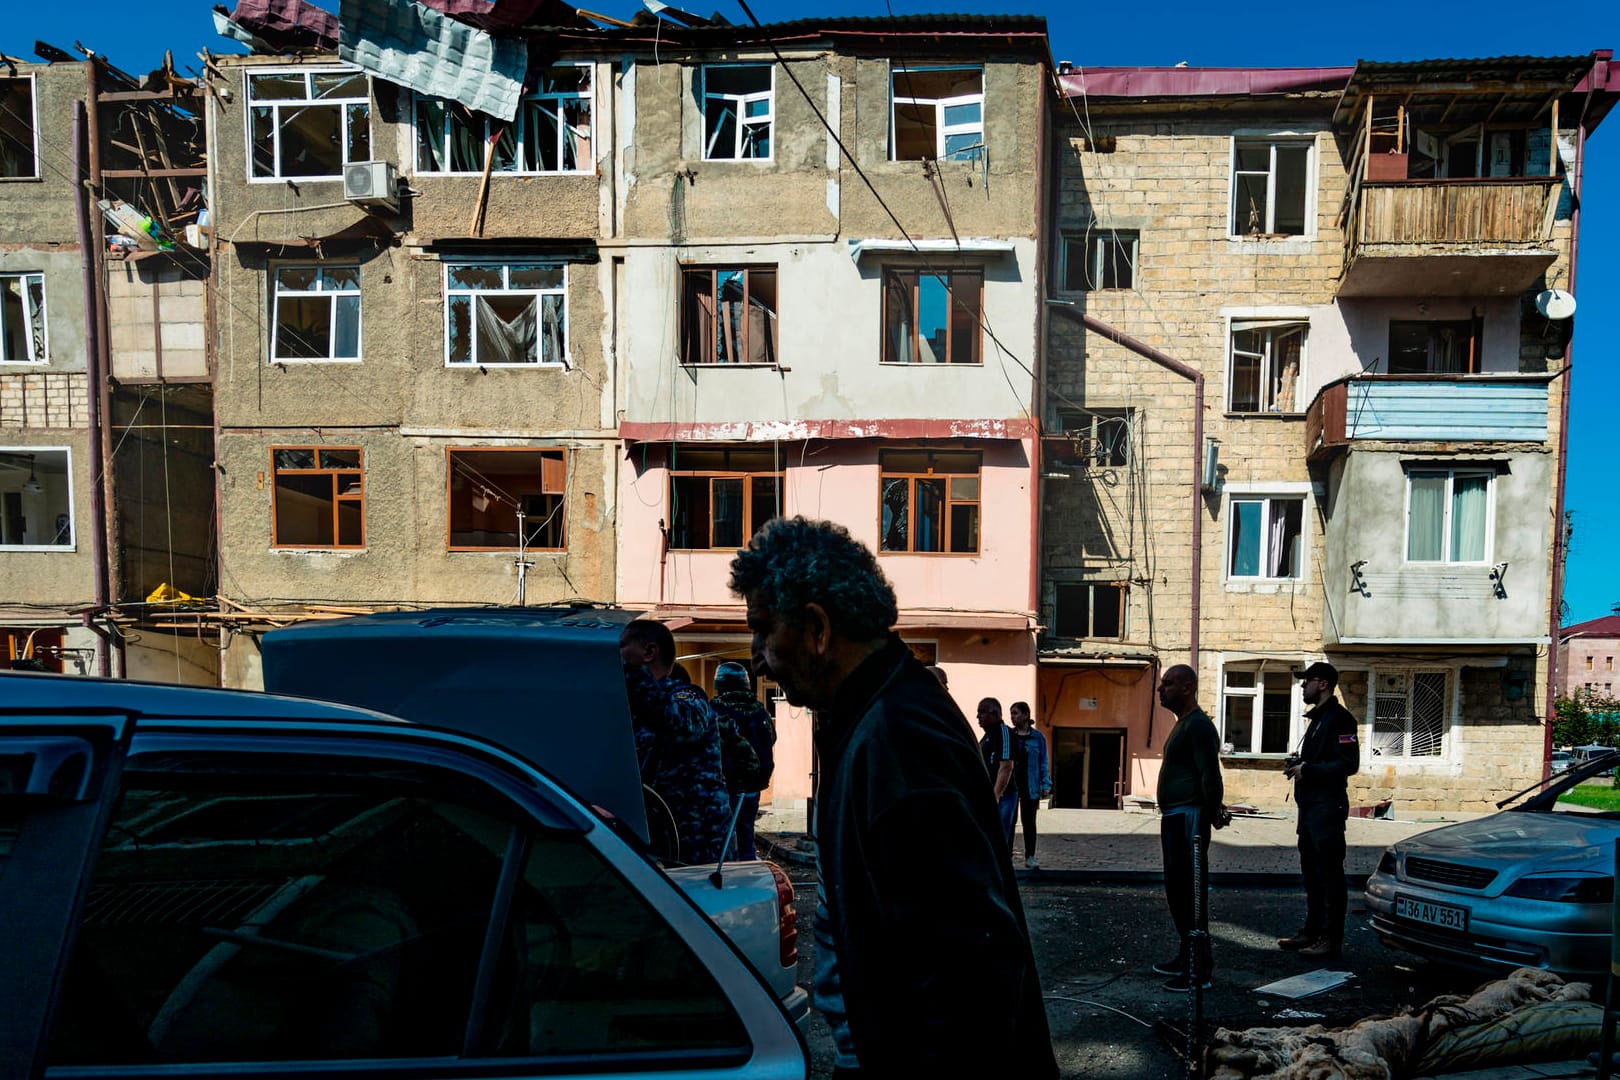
[[1445, 916]]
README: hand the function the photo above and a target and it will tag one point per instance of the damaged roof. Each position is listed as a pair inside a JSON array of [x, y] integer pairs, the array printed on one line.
[[1503, 89]]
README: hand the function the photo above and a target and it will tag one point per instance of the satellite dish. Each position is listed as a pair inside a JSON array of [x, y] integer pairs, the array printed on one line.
[[1555, 304]]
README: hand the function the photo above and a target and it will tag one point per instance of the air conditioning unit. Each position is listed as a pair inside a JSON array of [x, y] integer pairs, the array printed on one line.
[[372, 183]]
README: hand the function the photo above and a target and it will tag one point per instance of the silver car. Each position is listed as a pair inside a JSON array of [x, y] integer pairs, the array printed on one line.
[[1531, 886]]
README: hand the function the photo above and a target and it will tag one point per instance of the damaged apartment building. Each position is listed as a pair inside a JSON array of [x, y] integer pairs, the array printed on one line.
[[106, 485], [567, 319], [1309, 331]]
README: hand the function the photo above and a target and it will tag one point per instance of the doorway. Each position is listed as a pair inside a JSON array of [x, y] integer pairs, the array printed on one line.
[[1088, 768]]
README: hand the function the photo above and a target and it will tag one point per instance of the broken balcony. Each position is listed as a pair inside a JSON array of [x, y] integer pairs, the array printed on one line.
[[1427, 408], [1455, 174]]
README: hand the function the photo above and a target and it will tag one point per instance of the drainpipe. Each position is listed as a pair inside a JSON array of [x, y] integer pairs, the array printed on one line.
[[1555, 601], [93, 377], [1186, 371]]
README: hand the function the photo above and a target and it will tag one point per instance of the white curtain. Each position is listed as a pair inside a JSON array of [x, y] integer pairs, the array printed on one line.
[[502, 341], [1278, 549], [1468, 519], [1426, 518]]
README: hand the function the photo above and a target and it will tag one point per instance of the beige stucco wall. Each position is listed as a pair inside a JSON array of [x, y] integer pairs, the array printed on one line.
[[41, 211]]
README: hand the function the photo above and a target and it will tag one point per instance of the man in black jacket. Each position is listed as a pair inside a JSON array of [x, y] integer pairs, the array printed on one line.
[[923, 961], [1189, 796], [1329, 755]]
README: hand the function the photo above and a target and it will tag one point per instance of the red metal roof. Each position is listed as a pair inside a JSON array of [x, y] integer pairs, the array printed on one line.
[[1608, 626], [1146, 82]]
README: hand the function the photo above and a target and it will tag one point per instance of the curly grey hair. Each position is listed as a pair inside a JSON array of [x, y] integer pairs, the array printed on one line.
[[793, 562]]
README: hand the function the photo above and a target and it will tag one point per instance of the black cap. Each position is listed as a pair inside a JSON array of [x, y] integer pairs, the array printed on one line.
[[1320, 670]]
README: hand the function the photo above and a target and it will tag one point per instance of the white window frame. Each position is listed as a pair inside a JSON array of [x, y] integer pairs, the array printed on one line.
[[584, 164], [1373, 754], [73, 517], [33, 100], [276, 294], [505, 266], [1095, 242], [1269, 232], [35, 357], [277, 104], [1256, 694], [941, 131], [1451, 473], [1267, 494], [740, 120], [1269, 326]]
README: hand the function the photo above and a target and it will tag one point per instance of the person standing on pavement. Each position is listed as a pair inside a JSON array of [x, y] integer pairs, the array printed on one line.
[[1189, 796], [1032, 779], [996, 750], [923, 960], [735, 703], [1329, 755], [677, 740]]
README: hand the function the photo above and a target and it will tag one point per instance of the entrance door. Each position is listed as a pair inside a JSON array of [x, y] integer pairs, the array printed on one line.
[[1088, 768]]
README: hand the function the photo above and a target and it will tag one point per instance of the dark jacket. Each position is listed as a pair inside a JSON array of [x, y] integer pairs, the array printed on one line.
[[1331, 754], [752, 721], [933, 955], [1190, 772]]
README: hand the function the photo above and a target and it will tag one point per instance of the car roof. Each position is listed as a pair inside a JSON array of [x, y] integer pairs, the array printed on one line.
[[545, 683], [21, 690]]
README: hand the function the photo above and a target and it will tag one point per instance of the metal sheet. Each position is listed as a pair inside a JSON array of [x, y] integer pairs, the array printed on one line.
[[412, 45], [286, 25]]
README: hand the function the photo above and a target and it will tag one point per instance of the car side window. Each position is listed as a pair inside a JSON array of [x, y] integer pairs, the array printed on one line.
[[273, 908]]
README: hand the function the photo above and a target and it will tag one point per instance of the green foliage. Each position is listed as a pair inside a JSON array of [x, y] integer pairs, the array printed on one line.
[[1593, 796], [1586, 720]]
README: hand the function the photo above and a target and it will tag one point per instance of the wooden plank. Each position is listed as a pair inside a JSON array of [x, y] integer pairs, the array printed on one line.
[[142, 174], [114, 96], [1552, 149]]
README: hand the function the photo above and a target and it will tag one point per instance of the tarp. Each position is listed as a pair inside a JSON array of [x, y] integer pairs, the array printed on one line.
[[286, 25], [412, 45]]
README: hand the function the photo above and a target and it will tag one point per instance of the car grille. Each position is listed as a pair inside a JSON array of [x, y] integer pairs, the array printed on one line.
[[1445, 873]]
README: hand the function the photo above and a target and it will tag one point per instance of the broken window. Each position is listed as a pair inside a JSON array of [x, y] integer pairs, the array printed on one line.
[[1257, 710], [1264, 538], [1435, 348], [22, 319], [551, 134], [505, 314], [498, 494], [1271, 187], [1099, 260], [36, 498], [728, 315], [319, 497], [738, 111], [718, 499], [317, 313], [1267, 358], [938, 112], [19, 135], [1102, 436], [37, 649], [308, 123], [930, 500], [1411, 711], [931, 318], [1083, 609], [1447, 515]]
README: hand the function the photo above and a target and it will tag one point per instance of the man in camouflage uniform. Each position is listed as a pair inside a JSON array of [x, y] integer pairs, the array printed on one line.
[[677, 740], [734, 703]]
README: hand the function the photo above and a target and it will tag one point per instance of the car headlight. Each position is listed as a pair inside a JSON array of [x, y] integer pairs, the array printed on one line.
[[1386, 865], [1567, 890]]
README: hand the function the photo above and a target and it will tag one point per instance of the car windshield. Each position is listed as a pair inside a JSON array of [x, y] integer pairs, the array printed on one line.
[[1543, 796]]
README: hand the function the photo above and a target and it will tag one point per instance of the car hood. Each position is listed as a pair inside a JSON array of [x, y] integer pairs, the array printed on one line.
[[1517, 842]]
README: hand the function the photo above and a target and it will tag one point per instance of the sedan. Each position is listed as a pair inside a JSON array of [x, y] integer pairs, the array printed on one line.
[[1531, 886]]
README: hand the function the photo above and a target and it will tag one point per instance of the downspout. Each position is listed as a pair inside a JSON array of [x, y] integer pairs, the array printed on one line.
[[93, 376], [1186, 371], [1555, 600]]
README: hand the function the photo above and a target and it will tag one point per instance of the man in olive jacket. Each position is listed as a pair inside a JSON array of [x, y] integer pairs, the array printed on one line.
[[1329, 755], [923, 961]]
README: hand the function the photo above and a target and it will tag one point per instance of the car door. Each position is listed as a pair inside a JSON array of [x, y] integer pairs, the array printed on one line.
[[271, 904], [58, 777]]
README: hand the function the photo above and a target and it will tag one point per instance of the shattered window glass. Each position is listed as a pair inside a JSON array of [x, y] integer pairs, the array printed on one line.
[[317, 313], [318, 497], [496, 491], [930, 501], [932, 318], [938, 112], [738, 111], [22, 319], [19, 158], [728, 315], [1271, 186], [505, 314], [551, 134], [307, 124]]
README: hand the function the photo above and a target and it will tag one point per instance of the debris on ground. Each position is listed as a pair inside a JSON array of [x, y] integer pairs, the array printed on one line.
[[1530, 1016], [1307, 985]]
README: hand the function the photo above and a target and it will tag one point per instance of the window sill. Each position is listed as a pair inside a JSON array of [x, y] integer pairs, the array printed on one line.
[[928, 364], [278, 550], [738, 161], [334, 179], [1262, 586], [497, 174], [1270, 414], [701, 365], [301, 361], [548, 365], [22, 179], [932, 554], [57, 549], [506, 551]]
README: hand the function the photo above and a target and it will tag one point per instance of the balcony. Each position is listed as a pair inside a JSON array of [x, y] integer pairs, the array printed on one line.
[[1505, 408], [1490, 236]]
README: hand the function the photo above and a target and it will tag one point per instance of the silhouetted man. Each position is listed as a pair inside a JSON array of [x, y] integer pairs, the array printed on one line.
[[1189, 796]]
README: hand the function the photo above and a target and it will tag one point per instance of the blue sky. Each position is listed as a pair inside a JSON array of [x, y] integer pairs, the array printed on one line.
[[1257, 33]]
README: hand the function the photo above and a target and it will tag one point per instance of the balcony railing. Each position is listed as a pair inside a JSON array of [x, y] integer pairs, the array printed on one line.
[[1427, 408]]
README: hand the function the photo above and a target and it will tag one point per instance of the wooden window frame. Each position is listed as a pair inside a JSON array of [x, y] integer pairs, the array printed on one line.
[[338, 495], [1123, 588], [1433, 329], [449, 494], [948, 274], [697, 326], [747, 477], [911, 478]]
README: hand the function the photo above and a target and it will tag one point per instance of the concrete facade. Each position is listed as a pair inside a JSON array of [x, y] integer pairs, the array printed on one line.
[[1455, 649]]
